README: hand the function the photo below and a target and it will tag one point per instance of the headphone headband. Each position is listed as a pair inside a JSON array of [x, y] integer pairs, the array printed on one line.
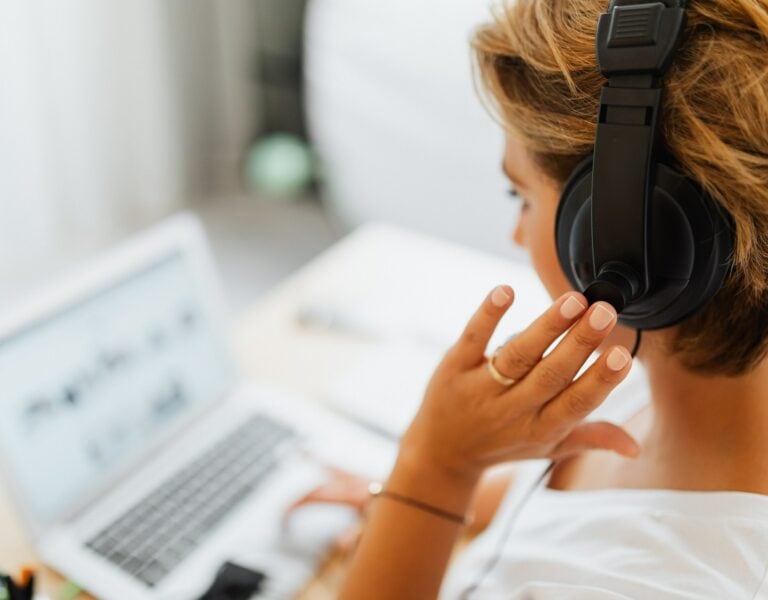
[[635, 43]]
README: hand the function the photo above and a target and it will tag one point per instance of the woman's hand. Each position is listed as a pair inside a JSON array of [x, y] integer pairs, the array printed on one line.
[[342, 488], [468, 421]]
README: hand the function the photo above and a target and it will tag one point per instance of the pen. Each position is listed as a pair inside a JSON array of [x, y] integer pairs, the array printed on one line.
[[27, 583], [21, 590]]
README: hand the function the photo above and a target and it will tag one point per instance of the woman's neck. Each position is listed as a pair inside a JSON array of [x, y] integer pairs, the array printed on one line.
[[707, 431]]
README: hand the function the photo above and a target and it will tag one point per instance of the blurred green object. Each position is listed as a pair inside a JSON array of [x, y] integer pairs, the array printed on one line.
[[281, 165], [69, 590]]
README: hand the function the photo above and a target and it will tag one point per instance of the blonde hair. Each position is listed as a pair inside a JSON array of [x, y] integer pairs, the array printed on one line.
[[536, 60]]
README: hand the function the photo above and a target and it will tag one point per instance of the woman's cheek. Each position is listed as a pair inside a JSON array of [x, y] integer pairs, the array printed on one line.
[[543, 254]]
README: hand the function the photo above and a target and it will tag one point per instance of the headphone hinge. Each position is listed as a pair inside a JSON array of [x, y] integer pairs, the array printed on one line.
[[637, 37]]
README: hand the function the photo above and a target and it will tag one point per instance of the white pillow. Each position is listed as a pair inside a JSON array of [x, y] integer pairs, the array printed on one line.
[[394, 114]]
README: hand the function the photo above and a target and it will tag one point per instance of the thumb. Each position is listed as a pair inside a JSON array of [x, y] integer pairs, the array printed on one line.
[[347, 490], [596, 435]]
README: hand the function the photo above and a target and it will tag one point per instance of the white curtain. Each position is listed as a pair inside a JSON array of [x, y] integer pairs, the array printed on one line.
[[113, 114]]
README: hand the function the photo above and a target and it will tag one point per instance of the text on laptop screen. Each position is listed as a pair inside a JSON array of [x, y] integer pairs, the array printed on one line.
[[86, 389]]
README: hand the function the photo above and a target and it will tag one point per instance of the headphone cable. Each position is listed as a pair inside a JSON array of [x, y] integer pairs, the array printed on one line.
[[638, 338], [489, 565]]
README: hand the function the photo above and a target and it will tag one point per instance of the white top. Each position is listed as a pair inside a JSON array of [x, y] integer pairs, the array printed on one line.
[[618, 543]]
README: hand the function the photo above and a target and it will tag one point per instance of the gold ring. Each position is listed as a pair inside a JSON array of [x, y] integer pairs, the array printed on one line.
[[498, 377]]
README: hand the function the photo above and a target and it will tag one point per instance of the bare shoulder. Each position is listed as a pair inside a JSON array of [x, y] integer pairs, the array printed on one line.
[[493, 487], [598, 469]]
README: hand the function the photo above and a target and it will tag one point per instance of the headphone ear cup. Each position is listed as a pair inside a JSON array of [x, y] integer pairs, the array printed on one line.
[[689, 245], [573, 226]]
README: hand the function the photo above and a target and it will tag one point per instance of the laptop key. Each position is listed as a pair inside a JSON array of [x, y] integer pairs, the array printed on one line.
[[152, 573], [133, 564], [104, 544], [118, 556]]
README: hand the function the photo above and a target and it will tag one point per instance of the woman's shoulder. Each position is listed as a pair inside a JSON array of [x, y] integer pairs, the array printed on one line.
[[626, 542], [626, 406]]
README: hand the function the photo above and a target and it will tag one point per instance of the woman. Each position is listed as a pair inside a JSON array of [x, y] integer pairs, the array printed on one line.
[[673, 504]]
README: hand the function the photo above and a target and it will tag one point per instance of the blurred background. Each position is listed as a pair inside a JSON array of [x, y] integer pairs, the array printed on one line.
[[282, 123]]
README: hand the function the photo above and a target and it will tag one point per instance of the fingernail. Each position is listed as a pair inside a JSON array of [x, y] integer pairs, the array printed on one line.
[[601, 317], [500, 296], [571, 308], [617, 359]]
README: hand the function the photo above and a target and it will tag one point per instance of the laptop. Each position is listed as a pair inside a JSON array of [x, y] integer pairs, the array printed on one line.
[[139, 458]]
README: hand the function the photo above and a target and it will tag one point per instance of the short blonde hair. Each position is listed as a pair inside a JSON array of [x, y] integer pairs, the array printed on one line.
[[536, 60]]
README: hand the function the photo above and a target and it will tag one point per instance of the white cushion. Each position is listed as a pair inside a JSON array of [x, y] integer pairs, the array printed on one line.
[[395, 116]]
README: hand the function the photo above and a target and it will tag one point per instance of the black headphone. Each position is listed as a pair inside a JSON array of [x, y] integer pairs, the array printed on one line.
[[631, 229]]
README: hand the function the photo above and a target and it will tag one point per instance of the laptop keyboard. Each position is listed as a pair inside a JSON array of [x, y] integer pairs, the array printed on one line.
[[156, 534]]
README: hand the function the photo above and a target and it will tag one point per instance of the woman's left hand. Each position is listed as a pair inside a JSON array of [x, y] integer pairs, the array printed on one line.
[[469, 421]]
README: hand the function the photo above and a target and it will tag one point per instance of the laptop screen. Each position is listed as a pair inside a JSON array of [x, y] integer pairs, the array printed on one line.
[[85, 390]]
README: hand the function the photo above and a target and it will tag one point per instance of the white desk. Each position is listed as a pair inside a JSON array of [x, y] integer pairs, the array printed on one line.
[[398, 284]]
